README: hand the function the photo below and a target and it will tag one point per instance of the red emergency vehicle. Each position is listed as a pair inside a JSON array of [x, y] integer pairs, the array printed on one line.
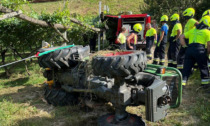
[[115, 23]]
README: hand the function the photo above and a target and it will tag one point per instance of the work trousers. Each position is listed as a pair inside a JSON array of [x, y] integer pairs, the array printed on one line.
[[181, 56], [196, 53], [123, 46], [149, 44], [159, 54], [173, 51]]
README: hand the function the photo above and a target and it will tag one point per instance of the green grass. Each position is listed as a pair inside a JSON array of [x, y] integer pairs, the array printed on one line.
[[19, 76], [88, 7]]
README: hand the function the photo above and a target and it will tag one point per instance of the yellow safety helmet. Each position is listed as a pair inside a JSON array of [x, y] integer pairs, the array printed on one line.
[[206, 20], [205, 13], [164, 18], [190, 12], [174, 17], [137, 27]]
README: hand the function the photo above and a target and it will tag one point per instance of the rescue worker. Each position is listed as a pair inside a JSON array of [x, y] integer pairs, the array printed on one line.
[[196, 52], [206, 13], [174, 40], [191, 23], [132, 38], [121, 39], [160, 47], [151, 36]]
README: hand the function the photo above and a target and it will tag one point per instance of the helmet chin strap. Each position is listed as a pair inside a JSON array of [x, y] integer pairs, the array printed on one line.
[[202, 26], [174, 22], [187, 17]]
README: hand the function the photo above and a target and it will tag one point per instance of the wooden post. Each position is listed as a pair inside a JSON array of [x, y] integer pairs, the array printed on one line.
[[99, 11], [104, 37], [65, 36], [99, 39]]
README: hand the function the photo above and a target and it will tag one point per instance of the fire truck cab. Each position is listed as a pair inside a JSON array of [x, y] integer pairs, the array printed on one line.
[[115, 23]]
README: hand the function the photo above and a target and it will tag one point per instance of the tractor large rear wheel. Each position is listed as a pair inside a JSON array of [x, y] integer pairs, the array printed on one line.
[[64, 58], [119, 64]]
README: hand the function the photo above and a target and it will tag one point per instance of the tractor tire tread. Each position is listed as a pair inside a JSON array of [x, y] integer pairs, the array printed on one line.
[[120, 65]]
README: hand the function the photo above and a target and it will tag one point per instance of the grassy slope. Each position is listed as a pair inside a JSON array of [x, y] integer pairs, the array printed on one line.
[[89, 7], [22, 102]]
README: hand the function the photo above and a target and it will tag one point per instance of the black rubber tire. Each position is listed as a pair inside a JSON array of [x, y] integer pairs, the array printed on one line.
[[63, 58], [48, 74], [131, 120], [120, 65], [58, 97]]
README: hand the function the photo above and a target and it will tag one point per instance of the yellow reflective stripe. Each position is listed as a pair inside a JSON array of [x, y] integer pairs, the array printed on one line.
[[170, 61], [180, 66], [149, 54], [205, 81], [156, 59], [208, 64], [161, 60], [174, 62], [184, 82]]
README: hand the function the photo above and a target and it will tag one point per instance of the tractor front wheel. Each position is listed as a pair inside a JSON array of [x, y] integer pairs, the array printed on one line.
[[58, 97]]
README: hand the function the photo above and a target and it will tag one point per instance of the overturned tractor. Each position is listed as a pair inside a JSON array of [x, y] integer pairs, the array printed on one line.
[[123, 78]]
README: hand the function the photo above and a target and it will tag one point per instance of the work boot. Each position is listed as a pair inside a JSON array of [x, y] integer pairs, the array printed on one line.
[[161, 63], [149, 58], [155, 62], [205, 86], [170, 65]]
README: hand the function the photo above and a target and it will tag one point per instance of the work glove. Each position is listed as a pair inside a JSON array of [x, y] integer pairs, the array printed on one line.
[[158, 44], [155, 41], [174, 40]]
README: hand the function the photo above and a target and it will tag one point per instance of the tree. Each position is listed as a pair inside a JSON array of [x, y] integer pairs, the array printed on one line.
[[157, 8]]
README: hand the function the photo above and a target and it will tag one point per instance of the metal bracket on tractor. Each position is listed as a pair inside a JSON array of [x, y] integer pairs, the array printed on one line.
[[122, 78]]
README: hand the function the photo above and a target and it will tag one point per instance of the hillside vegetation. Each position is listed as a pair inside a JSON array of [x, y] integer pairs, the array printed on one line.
[[88, 7]]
